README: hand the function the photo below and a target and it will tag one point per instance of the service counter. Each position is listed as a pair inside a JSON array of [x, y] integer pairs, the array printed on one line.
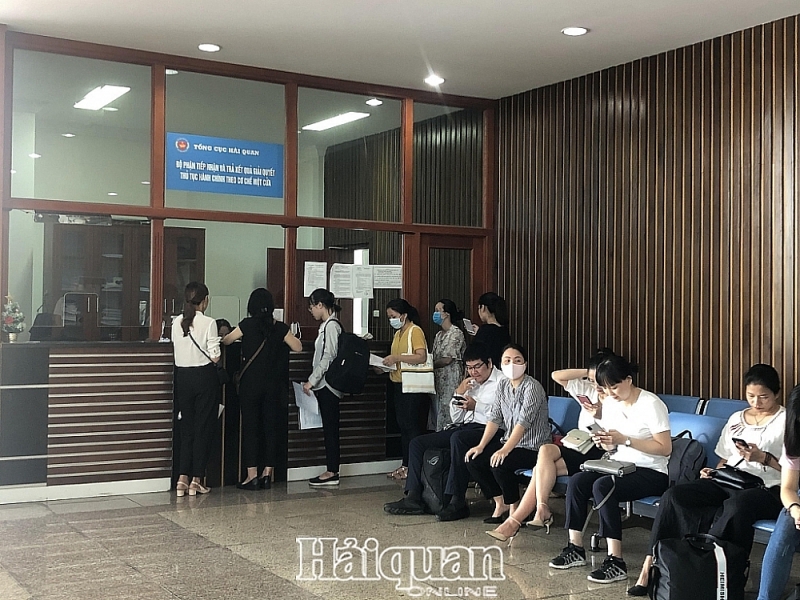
[[97, 418]]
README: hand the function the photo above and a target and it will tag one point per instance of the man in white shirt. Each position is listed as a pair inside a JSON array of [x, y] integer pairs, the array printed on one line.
[[468, 410]]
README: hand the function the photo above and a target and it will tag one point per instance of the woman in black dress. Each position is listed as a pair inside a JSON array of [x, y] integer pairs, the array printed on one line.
[[493, 334]]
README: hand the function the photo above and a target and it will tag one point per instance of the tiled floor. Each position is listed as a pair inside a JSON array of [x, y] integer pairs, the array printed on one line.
[[240, 545]]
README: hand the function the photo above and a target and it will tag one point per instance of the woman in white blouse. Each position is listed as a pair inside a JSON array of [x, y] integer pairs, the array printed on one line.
[[196, 344]]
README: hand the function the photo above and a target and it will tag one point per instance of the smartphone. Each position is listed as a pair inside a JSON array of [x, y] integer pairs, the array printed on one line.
[[470, 328], [740, 443], [584, 399], [458, 401], [595, 429]]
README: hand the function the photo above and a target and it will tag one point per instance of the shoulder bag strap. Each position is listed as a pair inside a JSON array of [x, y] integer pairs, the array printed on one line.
[[194, 341], [252, 358]]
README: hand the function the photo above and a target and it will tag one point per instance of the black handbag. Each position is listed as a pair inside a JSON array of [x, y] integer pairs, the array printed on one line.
[[736, 479]]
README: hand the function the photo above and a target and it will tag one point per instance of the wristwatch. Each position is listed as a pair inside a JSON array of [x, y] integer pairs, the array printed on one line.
[[628, 442]]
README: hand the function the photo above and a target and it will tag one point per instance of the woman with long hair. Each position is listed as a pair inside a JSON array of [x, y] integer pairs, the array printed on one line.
[[323, 307], [263, 386], [448, 350], [196, 345], [408, 407], [493, 333]]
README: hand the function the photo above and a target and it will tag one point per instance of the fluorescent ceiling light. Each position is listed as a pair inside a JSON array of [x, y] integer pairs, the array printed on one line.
[[34, 155], [110, 109], [171, 72], [434, 79], [574, 31], [13, 172], [68, 135], [145, 183], [112, 193], [336, 121], [100, 96], [374, 102], [209, 48]]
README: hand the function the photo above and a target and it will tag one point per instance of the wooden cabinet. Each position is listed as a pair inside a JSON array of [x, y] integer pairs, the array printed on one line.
[[97, 277]]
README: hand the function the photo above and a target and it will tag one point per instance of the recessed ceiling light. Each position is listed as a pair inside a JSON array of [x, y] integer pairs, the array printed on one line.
[[110, 109], [336, 121], [145, 183], [574, 31], [374, 102], [171, 72], [209, 48], [100, 96], [434, 79], [34, 155], [68, 135], [112, 193]]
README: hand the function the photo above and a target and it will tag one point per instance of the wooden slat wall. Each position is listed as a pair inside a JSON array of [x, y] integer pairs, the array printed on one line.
[[651, 207], [110, 414]]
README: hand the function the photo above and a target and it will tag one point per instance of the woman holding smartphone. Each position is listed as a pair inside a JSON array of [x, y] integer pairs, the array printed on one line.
[[751, 441], [554, 460]]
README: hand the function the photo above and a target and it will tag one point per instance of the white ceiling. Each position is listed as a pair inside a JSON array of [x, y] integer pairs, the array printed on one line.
[[488, 48]]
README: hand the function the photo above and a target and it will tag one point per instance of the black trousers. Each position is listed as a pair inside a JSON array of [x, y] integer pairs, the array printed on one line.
[[501, 480], [196, 395], [408, 409], [259, 403], [329, 411], [585, 486], [703, 506]]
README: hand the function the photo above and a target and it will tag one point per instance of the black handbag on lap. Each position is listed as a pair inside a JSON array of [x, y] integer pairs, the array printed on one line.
[[733, 478]]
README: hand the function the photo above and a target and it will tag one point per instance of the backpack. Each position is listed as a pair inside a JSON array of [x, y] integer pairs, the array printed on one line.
[[347, 372], [688, 457], [435, 469], [700, 567]]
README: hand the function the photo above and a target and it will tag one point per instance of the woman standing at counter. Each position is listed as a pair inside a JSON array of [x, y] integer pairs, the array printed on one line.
[[196, 347], [264, 382]]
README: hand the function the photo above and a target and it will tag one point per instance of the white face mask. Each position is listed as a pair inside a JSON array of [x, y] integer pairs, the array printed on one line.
[[513, 371], [396, 322]]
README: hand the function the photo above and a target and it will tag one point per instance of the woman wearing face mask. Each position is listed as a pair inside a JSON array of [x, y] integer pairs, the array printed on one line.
[[493, 333], [635, 424], [448, 348], [408, 408], [520, 410]]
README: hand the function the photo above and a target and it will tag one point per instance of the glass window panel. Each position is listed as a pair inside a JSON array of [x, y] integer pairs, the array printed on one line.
[[448, 165], [67, 153], [349, 246], [350, 171], [237, 110], [81, 278], [232, 259]]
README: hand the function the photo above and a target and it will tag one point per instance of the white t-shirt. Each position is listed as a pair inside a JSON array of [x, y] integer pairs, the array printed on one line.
[[583, 387], [768, 437], [485, 395], [645, 418]]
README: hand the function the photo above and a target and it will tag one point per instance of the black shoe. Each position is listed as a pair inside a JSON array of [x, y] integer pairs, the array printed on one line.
[[265, 483], [330, 481], [452, 512], [613, 569], [637, 590], [251, 485], [496, 520], [571, 556], [406, 506]]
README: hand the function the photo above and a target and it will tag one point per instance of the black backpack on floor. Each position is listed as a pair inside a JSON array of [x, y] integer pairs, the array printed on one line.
[[435, 468], [698, 567], [347, 373]]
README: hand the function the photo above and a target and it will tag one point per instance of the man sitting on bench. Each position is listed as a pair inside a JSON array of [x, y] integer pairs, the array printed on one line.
[[468, 410]]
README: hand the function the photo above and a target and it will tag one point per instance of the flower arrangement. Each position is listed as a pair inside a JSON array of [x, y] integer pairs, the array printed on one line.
[[13, 319]]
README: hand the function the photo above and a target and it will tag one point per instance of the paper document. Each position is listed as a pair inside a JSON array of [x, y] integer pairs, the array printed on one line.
[[315, 275], [377, 361], [308, 408]]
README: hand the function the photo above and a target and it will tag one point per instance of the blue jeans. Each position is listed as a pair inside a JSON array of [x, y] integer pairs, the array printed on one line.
[[778, 558]]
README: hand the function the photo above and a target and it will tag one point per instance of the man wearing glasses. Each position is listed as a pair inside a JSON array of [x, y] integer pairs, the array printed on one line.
[[468, 410]]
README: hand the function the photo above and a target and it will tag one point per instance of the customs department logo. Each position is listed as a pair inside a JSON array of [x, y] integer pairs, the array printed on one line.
[[182, 144]]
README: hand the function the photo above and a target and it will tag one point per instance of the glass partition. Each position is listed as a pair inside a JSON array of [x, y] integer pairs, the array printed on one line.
[[232, 259], [80, 278], [448, 165], [72, 142], [225, 141], [363, 304], [348, 169]]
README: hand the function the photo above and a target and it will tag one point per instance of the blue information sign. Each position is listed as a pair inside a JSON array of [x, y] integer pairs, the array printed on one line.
[[199, 163]]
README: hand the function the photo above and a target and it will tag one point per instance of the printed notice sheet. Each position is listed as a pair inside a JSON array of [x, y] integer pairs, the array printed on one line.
[[341, 280], [362, 281], [387, 277], [315, 276]]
